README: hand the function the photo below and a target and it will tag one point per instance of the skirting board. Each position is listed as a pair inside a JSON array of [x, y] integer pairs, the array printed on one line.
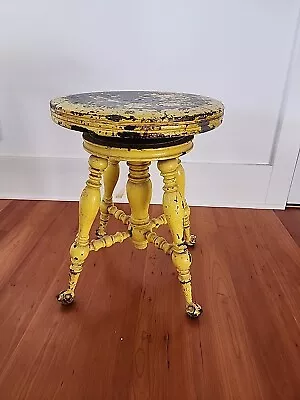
[[207, 184]]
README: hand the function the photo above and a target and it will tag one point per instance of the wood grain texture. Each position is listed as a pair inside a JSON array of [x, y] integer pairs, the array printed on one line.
[[4, 203], [291, 220], [127, 336]]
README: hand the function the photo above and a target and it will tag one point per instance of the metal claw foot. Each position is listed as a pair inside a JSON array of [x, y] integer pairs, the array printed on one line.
[[194, 310], [98, 234], [192, 241], [65, 297]]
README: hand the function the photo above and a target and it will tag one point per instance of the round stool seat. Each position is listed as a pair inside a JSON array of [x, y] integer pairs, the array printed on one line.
[[137, 114]]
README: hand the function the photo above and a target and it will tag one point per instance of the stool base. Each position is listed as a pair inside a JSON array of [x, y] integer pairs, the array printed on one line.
[[67, 297], [140, 228]]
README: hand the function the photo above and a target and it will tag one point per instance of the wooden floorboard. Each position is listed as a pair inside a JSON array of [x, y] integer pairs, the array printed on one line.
[[291, 220], [127, 336], [4, 203]]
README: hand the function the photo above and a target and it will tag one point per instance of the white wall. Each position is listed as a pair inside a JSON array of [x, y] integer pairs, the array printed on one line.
[[294, 195], [237, 51]]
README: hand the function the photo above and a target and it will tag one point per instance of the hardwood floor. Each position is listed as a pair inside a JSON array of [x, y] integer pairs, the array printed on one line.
[[291, 220], [127, 336]]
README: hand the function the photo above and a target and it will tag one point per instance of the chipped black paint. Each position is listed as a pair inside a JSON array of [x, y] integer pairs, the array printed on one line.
[[114, 118], [135, 142], [130, 113], [129, 128], [80, 129], [185, 282]]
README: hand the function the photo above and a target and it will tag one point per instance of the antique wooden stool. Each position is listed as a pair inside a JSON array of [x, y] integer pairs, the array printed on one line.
[[137, 127]]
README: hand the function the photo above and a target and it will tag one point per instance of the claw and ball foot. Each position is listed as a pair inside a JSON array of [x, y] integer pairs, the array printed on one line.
[[192, 241], [65, 297], [99, 234], [194, 310]]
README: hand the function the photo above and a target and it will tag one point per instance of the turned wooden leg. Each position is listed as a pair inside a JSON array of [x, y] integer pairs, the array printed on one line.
[[88, 210], [174, 210], [110, 179], [139, 191], [190, 240]]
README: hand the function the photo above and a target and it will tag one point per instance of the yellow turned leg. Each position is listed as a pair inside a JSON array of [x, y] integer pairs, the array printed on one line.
[[110, 179], [173, 206], [139, 192], [190, 240], [88, 210]]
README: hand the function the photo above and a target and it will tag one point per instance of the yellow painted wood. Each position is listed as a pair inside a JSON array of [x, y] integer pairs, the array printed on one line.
[[110, 179], [159, 242], [119, 154], [158, 221], [139, 191], [189, 239], [109, 240], [119, 214], [173, 206], [88, 210]]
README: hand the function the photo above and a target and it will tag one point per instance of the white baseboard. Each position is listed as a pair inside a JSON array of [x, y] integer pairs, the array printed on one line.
[[208, 184]]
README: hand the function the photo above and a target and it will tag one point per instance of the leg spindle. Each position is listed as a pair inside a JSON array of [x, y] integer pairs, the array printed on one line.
[[88, 210], [110, 179], [190, 240], [174, 210]]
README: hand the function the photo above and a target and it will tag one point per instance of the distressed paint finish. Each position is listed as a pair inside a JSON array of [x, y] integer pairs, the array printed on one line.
[[139, 192], [110, 178], [137, 114], [144, 127], [141, 229], [151, 154], [88, 210], [174, 210], [190, 240]]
